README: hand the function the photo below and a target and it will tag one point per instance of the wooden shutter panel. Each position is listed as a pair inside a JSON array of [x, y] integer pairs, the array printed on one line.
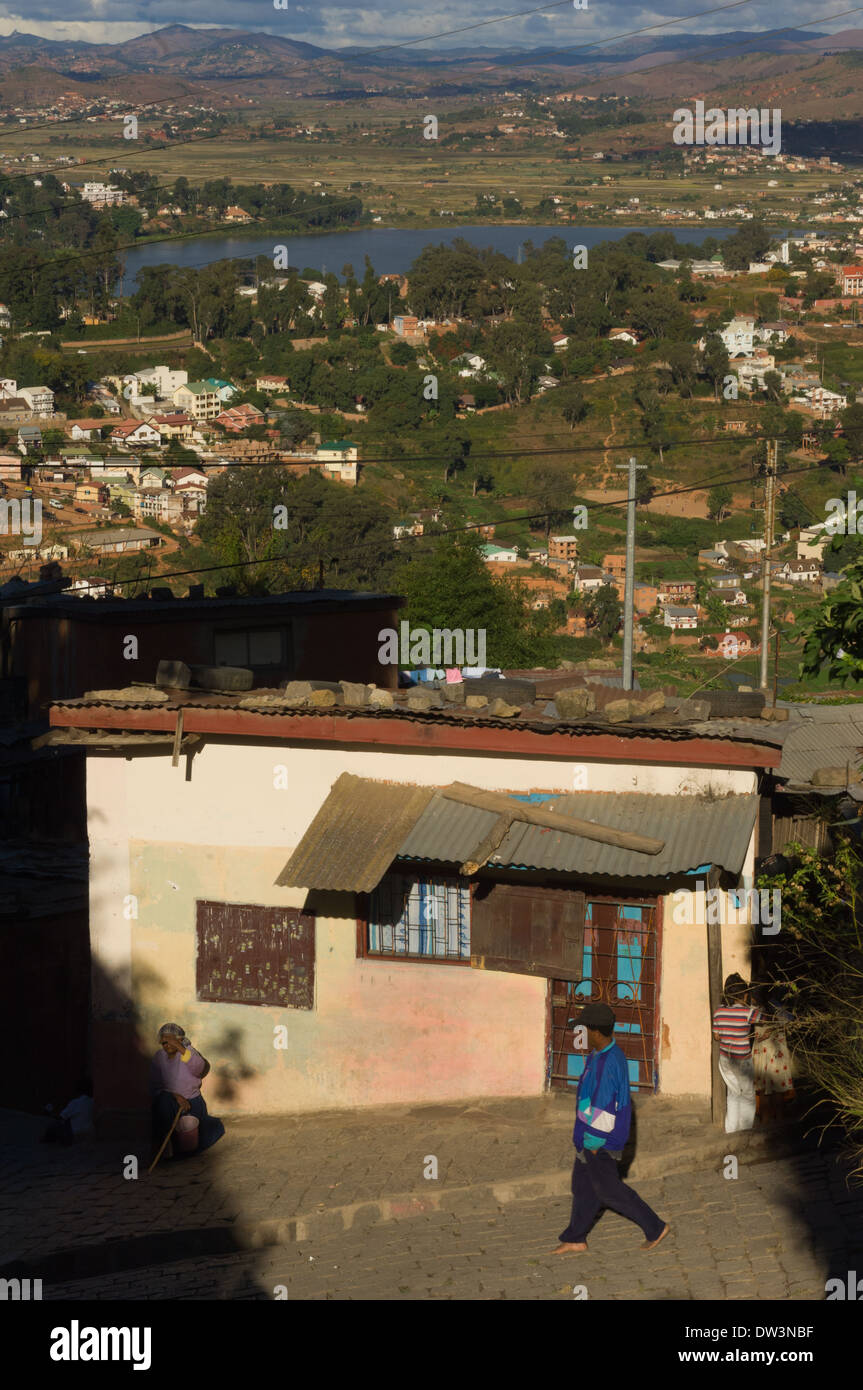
[[255, 955], [527, 929]]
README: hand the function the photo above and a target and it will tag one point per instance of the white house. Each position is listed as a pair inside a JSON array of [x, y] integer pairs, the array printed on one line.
[[679, 618], [164, 380], [739, 335], [777, 332], [805, 571], [134, 433], [751, 371], [813, 542], [340, 457], [587, 578], [102, 194], [472, 363], [200, 399], [733, 645], [498, 553], [39, 398], [825, 402]]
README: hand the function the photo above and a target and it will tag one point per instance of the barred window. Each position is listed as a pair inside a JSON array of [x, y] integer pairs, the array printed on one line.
[[420, 919]]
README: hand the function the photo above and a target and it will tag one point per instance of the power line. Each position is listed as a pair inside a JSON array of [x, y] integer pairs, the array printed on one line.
[[313, 551], [686, 57], [508, 453]]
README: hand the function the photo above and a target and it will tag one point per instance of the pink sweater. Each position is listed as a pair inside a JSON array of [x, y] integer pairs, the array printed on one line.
[[173, 1074]]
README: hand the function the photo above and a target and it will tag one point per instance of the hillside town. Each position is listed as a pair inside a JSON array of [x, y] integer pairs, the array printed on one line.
[[431, 646]]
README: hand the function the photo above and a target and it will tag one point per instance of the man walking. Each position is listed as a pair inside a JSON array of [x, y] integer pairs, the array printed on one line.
[[602, 1117]]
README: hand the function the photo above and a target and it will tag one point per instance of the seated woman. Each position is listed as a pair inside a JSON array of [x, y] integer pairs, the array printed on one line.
[[176, 1074]]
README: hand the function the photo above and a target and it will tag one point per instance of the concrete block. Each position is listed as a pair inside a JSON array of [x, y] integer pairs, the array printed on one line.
[[353, 694], [295, 692], [618, 711], [381, 699], [574, 702], [174, 674], [502, 710], [649, 704]]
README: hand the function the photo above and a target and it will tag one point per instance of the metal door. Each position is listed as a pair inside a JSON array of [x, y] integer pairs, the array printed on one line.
[[621, 968]]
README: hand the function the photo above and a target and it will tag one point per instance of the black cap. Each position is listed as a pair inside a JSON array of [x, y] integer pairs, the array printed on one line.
[[597, 1015]]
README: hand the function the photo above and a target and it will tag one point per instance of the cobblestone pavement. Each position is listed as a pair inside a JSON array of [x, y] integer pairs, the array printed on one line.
[[268, 1168], [338, 1206], [776, 1232]]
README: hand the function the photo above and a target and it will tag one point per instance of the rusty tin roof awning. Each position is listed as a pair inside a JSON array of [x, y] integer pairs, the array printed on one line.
[[364, 825]]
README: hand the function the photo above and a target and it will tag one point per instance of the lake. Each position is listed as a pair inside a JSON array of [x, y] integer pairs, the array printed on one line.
[[392, 249]]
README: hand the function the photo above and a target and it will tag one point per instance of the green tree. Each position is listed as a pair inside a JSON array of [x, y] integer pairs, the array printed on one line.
[[818, 968], [448, 586], [843, 551], [715, 363], [716, 609], [322, 526], [851, 420], [834, 631], [573, 406], [718, 501], [793, 511], [603, 610], [773, 386]]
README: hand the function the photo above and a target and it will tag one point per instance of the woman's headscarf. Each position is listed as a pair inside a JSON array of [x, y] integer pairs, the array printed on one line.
[[173, 1030]]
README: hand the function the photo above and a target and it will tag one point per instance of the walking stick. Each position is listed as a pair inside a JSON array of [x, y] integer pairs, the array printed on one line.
[[165, 1140]]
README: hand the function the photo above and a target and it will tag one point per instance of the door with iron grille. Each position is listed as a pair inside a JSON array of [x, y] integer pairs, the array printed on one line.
[[621, 968]]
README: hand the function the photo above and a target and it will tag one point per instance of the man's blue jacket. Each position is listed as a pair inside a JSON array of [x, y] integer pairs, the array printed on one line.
[[603, 1109]]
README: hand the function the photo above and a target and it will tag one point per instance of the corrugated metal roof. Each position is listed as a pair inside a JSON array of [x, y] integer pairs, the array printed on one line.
[[814, 736], [534, 718], [828, 737], [364, 825], [355, 836], [696, 831]]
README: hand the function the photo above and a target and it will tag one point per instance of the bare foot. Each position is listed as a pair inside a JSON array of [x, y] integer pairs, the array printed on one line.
[[570, 1247], [652, 1244]]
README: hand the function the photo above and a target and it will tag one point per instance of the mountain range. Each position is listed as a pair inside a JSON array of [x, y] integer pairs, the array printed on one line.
[[180, 50]]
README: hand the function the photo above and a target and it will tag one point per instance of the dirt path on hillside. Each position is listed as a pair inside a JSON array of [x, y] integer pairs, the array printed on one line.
[[606, 462], [687, 504]]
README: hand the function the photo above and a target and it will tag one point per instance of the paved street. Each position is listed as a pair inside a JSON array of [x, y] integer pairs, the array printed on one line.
[[337, 1207], [775, 1233]]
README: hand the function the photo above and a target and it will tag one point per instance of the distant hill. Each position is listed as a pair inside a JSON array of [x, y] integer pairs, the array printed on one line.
[[808, 72], [178, 48]]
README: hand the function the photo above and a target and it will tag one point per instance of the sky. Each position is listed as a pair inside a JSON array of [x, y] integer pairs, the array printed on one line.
[[399, 21]]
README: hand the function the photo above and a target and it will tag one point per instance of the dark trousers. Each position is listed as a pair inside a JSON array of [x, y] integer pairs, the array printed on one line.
[[59, 1131], [596, 1184], [210, 1130]]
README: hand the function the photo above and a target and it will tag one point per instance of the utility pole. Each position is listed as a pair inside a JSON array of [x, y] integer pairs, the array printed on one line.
[[772, 455], [629, 582]]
